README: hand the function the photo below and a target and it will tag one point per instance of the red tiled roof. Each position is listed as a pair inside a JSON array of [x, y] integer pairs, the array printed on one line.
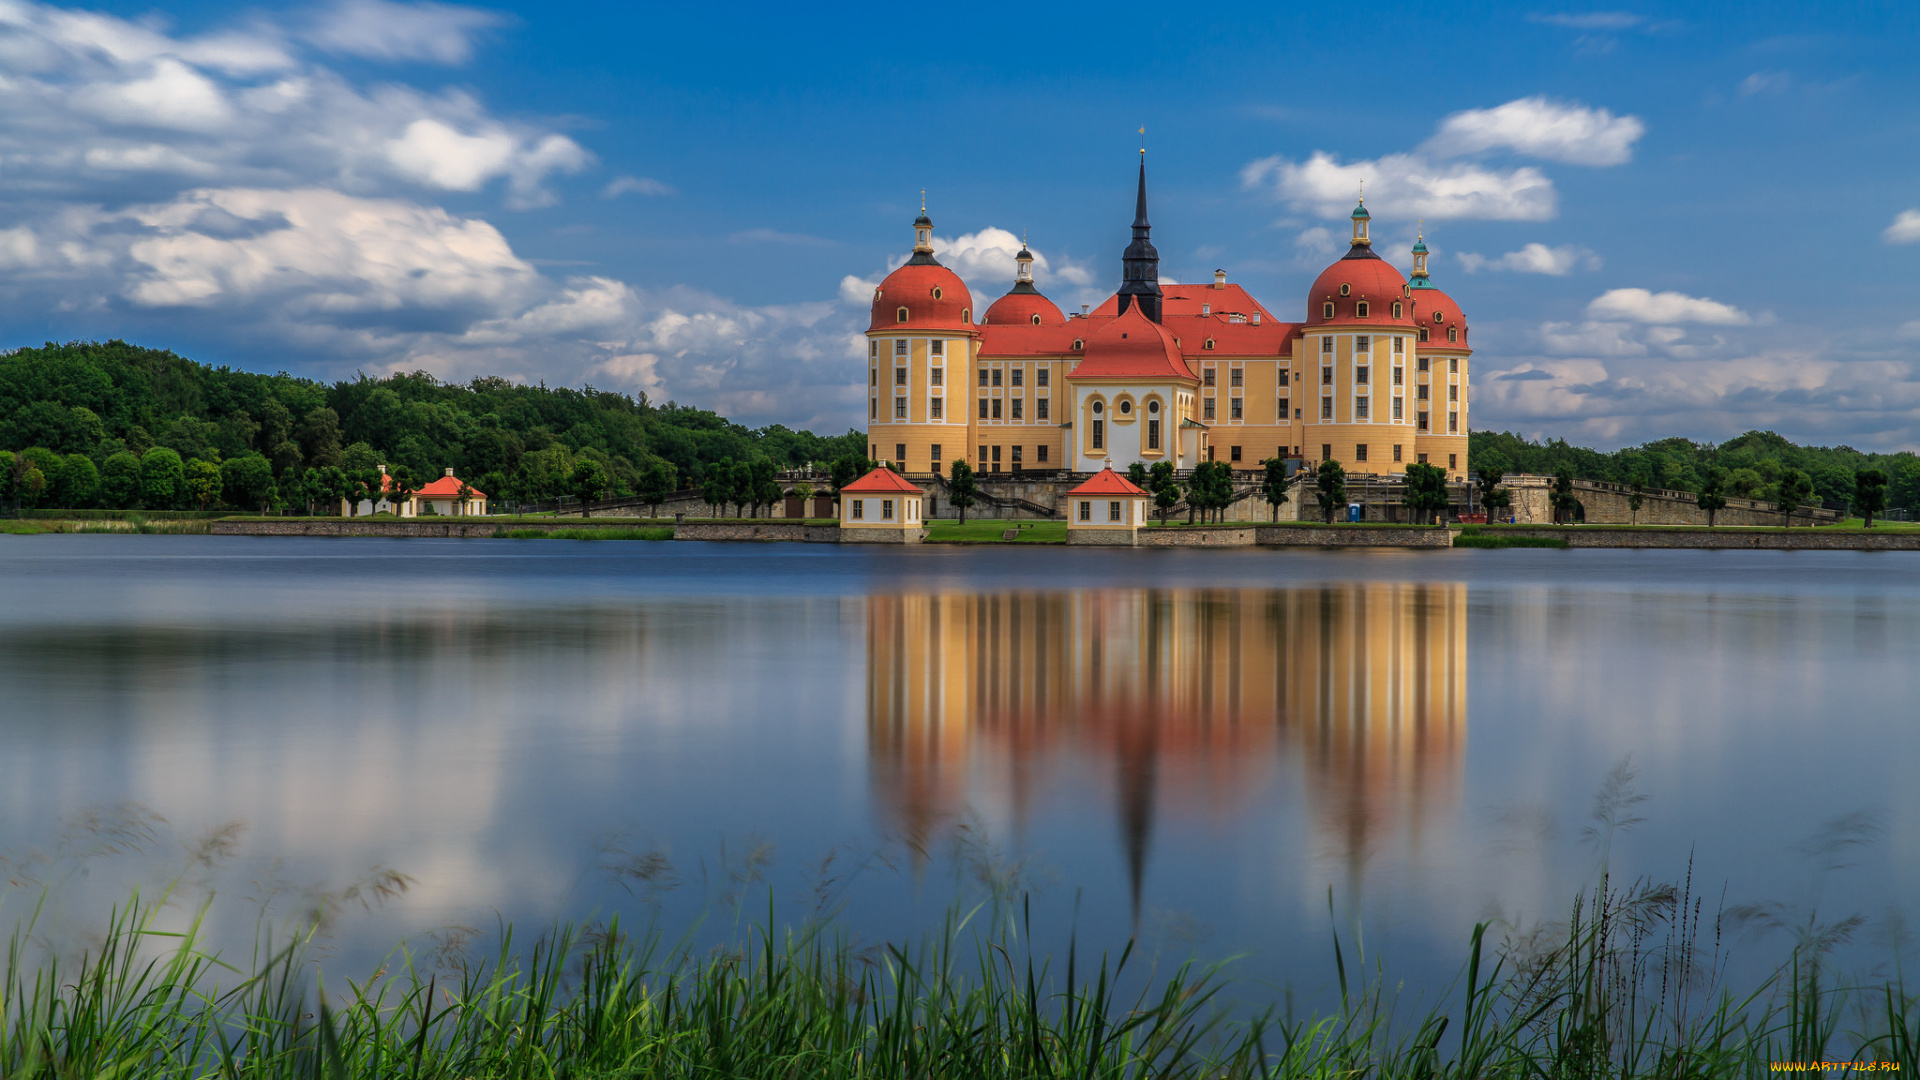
[[449, 487], [1430, 302], [1019, 308], [1132, 347], [911, 287], [882, 482], [1107, 482], [1373, 280]]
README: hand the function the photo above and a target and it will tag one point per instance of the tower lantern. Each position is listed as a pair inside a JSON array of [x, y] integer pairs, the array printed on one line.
[[1360, 219], [1023, 263], [923, 237], [1420, 280]]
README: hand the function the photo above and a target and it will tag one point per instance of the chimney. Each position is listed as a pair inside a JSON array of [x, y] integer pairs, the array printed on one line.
[[1083, 310], [1256, 318], [1219, 279]]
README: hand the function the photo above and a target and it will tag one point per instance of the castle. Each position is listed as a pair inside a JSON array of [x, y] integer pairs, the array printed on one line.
[[1374, 376]]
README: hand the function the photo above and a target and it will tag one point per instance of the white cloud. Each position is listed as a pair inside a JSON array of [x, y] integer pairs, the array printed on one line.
[[1763, 81], [634, 185], [170, 95], [436, 154], [380, 30], [1905, 228], [1592, 338], [1412, 185], [1535, 259], [1538, 127], [1642, 306], [1909, 331]]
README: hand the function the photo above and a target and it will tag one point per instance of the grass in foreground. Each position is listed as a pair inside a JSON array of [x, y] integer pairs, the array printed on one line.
[[990, 531], [1632, 987]]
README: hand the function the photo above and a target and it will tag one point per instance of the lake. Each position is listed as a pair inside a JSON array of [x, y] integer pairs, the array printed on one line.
[[1227, 753]]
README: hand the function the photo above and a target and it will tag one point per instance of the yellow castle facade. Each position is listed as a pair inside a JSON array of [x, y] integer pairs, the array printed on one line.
[[1374, 374]]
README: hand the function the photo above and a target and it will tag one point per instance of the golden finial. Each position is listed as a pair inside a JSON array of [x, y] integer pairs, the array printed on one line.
[[1421, 232], [923, 200], [1363, 193], [1143, 139]]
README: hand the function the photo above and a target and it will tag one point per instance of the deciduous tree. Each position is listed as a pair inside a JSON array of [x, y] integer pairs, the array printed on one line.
[[1712, 495], [960, 486], [589, 482], [163, 479], [1869, 493], [1273, 486], [1425, 492], [1165, 485], [1330, 488]]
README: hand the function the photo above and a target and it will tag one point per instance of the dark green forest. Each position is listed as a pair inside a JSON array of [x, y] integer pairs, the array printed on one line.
[[1754, 465], [109, 424]]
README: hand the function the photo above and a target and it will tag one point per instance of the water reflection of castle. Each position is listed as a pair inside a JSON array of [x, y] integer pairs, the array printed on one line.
[[1193, 697]]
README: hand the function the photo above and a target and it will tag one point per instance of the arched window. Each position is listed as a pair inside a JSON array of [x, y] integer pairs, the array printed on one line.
[[966, 315], [1453, 333], [1209, 343], [1326, 310], [1439, 317], [936, 292], [900, 315], [1036, 318], [1423, 333], [1346, 290], [1360, 309], [1078, 344], [1396, 309]]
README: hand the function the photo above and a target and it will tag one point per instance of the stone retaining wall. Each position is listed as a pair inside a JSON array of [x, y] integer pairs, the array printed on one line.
[[1102, 537], [1214, 536], [406, 527], [1352, 536], [757, 530], [1797, 540]]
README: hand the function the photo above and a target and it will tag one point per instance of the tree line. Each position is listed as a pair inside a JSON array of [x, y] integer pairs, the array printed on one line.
[[119, 426]]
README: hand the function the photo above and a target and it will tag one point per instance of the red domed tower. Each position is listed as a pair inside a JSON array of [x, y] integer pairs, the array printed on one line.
[[1354, 356], [1023, 304], [920, 342], [1441, 418]]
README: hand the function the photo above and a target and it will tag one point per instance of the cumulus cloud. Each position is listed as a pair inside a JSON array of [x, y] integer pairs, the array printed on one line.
[[1905, 228], [1538, 127], [96, 104], [381, 30], [1413, 185], [1643, 306], [1433, 182], [1535, 259]]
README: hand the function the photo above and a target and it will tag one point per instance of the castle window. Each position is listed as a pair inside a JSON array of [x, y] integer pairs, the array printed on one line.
[[900, 453], [1206, 377], [1421, 424], [1098, 407], [1036, 318], [936, 292], [859, 509], [1153, 406], [1209, 343], [1113, 510], [873, 350], [934, 452], [1326, 408], [983, 408], [1086, 509], [1018, 375], [1040, 377], [1285, 376], [1362, 344], [1040, 409], [899, 408], [1125, 407], [1453, 333], [996, 408], [1361, 309], [933, 412], [934, 375], [1233, 452], [900, 344], [1423, 363], [1360, 408], [1078, 344], [1207, 409], [996, 376], [1453, 364], [1236, 408], [1236, 377], [1326, 344], [1360, 452], [899, 376], [1423, 333], [1360, 374], [873, 376], [1439, 317], [1396, 451], [1453, 421], [983, 376], [936, 347], [886, 509], [1399, 375], [900, 315], [966, 315], [1346, 290], [1284, 406], [1040, 452], [1099, 434], [1326, 376], [1326, 452], [1453, 393], [1396, 309], [1398, 414], [1326, 311], [1017, 402], [1453, 461], [1421, 392], [1153, 434], [1399, 345], [873, 409]]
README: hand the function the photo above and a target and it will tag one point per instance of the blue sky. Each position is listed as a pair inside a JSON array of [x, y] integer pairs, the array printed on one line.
[[1658, 220]]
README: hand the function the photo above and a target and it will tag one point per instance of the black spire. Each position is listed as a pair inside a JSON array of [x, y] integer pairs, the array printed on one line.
[[1141, 263]]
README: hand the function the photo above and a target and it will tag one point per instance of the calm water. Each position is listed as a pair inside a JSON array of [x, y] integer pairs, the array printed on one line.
[[1206, 746]]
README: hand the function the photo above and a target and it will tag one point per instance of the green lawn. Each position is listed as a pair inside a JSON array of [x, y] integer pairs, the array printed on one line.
[[989, 532]]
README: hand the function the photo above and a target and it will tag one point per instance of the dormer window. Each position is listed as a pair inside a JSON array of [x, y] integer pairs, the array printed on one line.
[[1346, 290], [1453, 333], [966, 315], [1396, 309], [1206, 309], [1078, 344], [1438, 318], [1423, 333], [1361, 309], [1209, 343], [1326, 310], [1036, 318], [937, 294], [900, 315]]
